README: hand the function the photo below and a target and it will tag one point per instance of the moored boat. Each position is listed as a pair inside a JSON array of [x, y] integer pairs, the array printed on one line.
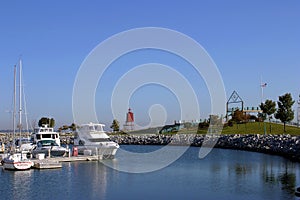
[[17, 161], [45, 133], [91, 138], [48, 147], [46, 140]]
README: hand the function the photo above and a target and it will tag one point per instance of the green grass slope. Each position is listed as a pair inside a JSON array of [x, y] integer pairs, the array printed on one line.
[[259, 127]]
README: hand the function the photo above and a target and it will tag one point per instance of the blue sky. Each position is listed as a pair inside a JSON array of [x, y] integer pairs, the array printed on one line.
[[246, 40]]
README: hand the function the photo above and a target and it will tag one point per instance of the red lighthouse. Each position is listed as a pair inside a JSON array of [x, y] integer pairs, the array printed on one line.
[[129, 124]]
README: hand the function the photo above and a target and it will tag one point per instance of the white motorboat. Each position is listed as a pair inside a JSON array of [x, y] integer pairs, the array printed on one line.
[[91, 137], [49, 148], [24, 145], [45, 139], [45, 133]]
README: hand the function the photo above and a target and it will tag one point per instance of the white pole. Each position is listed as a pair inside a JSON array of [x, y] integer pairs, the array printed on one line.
[[20, 98], [262, 98], [262, 90], [14, 109], [298, 114]]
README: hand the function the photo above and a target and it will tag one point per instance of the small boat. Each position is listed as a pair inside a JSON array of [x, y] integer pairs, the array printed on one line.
[[48, 147], [92, 139], [17, 161]]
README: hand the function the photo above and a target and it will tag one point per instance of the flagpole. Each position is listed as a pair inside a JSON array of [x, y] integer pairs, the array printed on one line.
[[262, 96]]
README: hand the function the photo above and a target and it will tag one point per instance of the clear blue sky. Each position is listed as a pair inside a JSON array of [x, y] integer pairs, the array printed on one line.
[[246, 40]]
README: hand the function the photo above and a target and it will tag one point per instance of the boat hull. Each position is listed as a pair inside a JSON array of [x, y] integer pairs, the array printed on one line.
[[103, 152], [53, 152], [21, 165], [16, 161], [107, 153]]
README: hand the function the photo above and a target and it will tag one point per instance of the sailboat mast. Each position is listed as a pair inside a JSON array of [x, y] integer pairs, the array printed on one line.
[[20, 98], [15, 99]]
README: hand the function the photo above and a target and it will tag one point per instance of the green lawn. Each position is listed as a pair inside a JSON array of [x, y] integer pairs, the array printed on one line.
[[248, 128], [258, 128]]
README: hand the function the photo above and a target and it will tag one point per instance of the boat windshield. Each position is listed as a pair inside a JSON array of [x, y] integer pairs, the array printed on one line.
[[99, 139], [94, 127], [40, 136], [20, 141], [98, 128], [46, 143]]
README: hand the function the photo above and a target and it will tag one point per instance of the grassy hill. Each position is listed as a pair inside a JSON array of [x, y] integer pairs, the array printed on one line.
[[248, 128], [258, 128]]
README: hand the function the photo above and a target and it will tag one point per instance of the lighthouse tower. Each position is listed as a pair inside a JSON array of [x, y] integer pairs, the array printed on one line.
[[129, 124]]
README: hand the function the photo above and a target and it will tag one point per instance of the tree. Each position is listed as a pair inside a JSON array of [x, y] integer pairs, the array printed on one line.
[[238, 116], [187, 125], [261, 117], [115, 125], [73, 127], [46, 121], [285, 113], [215, 120], [268, 108]]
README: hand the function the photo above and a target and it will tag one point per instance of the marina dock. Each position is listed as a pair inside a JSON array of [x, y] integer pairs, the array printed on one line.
[[56, 162]]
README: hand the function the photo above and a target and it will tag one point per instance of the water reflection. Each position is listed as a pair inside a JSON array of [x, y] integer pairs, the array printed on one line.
[[283, 176], [20, 184], [288, 182], [224, 174], [251, 174], [242, 170], [87, 180]]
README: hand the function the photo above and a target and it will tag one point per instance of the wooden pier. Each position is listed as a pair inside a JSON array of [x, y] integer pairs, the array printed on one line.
[[46, 164], [55, 162]]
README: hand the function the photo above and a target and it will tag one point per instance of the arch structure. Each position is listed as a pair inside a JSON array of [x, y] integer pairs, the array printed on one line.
[[234, 99]]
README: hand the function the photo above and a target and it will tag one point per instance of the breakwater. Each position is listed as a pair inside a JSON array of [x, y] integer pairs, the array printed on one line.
[[283, 145]]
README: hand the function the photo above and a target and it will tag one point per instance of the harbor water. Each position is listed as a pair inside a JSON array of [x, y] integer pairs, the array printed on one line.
[[223, 174]]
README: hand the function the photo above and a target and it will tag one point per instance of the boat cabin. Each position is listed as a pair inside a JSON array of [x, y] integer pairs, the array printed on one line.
[[45, 133], [92, 132]]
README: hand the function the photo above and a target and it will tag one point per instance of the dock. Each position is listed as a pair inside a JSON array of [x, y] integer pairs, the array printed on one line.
[[55, 162], [46, 164]]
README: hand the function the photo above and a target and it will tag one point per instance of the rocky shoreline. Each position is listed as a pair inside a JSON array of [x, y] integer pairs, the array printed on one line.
[[283, 145]]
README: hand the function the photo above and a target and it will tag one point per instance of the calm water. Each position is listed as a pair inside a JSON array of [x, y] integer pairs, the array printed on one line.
[[223, 174]]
